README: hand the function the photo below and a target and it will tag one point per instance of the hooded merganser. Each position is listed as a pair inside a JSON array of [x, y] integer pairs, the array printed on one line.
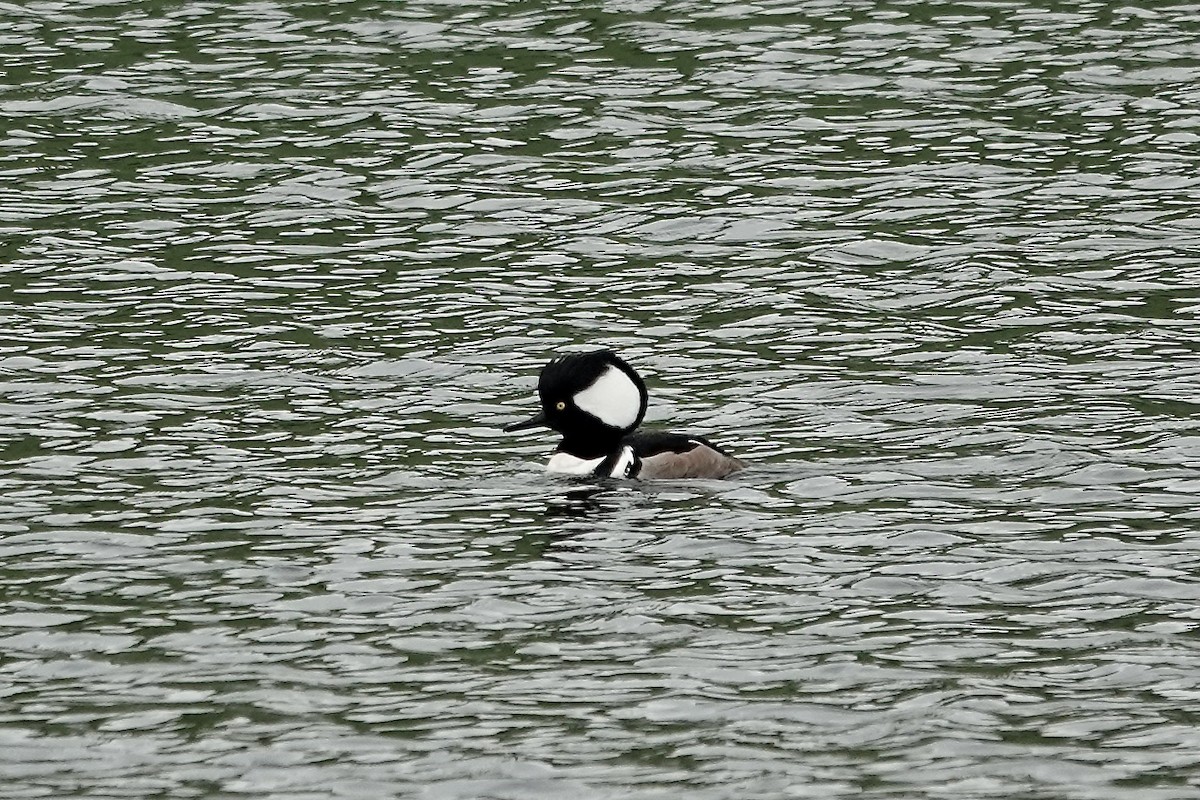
[[596, 400]]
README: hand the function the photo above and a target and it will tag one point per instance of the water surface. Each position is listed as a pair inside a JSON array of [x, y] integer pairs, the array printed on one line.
[[274, 274]]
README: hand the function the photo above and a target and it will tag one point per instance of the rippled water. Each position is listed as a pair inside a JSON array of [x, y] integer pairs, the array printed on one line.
[[274, 274]]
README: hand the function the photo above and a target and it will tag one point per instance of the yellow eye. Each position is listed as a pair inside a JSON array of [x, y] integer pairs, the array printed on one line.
[[560, 405]]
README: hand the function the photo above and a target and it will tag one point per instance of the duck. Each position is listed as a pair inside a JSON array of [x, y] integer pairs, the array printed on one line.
[[596, 402]]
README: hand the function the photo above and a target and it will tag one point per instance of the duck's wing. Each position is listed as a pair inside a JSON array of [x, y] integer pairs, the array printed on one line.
[[677, 455]]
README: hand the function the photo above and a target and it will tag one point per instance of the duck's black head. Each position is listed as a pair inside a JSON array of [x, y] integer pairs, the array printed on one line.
[[592, 399]]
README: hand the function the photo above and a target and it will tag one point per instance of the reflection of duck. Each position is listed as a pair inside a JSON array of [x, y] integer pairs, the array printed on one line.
[[596, 400], [578, 502]]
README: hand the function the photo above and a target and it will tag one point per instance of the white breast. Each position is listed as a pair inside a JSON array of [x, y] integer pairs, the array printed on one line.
[[568, 464]]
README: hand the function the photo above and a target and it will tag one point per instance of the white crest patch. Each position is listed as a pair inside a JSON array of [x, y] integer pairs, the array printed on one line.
[[568, 464], [613, 398]]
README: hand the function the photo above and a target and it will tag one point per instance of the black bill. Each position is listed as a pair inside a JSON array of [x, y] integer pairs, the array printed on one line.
[[537, 421]]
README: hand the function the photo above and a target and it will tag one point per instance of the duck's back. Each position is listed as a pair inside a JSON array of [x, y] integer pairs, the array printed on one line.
[[677, 455]]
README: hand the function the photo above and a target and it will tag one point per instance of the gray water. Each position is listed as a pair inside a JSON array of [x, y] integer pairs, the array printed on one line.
[[272, 275]]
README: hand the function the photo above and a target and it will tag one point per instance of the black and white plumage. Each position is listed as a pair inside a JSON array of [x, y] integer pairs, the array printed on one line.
[[596, 401]]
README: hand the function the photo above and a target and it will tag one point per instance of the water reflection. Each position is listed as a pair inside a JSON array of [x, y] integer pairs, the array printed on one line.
[[579, 502]]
